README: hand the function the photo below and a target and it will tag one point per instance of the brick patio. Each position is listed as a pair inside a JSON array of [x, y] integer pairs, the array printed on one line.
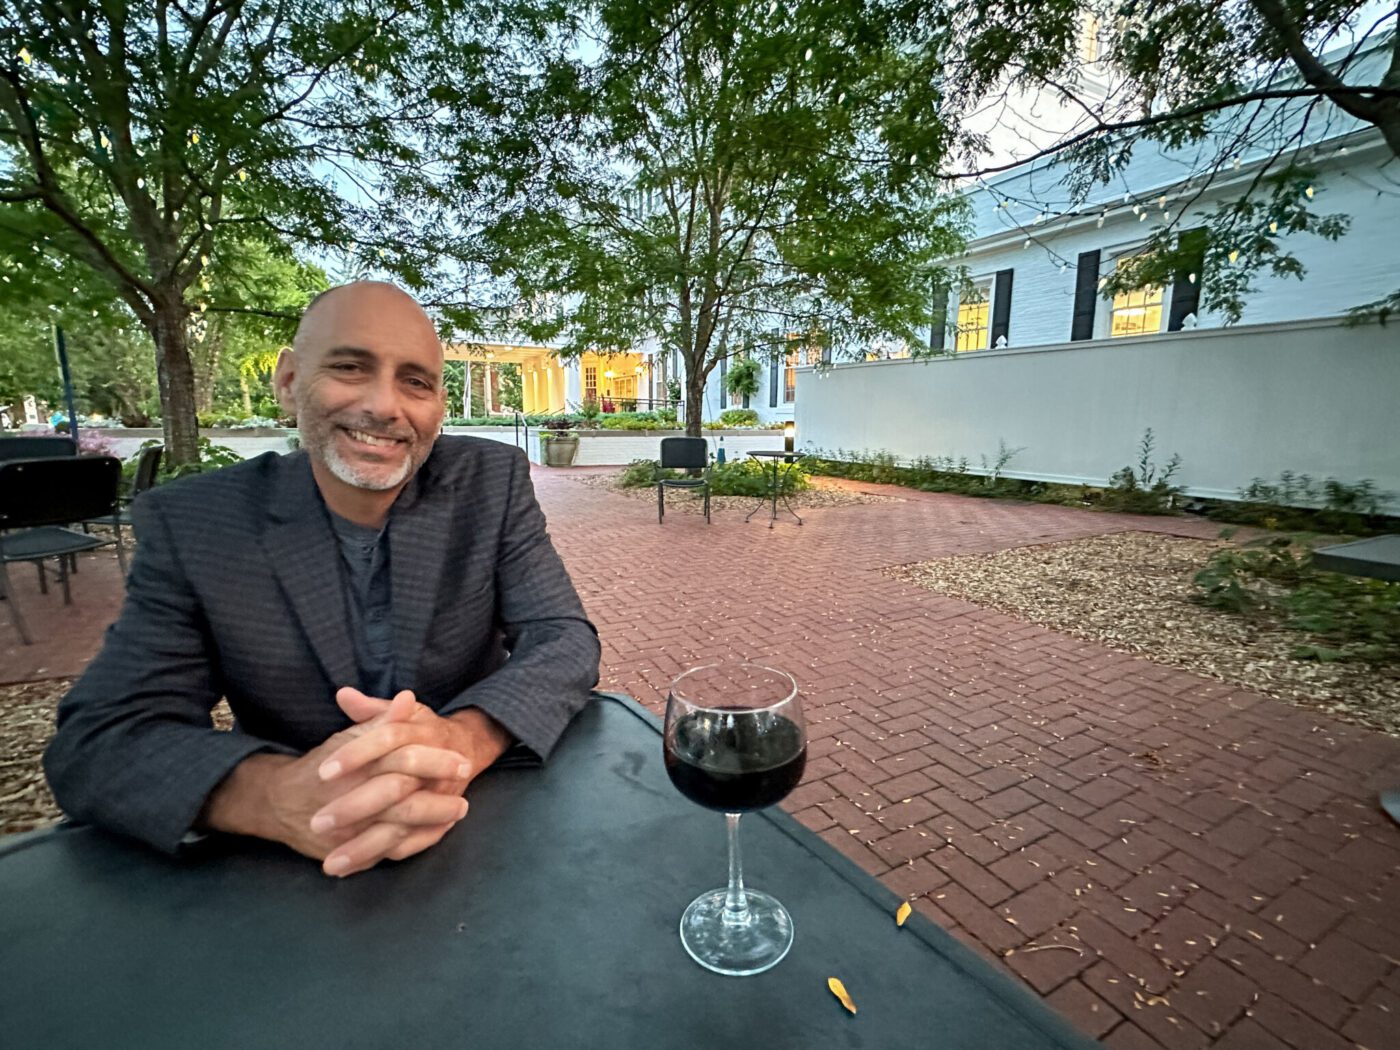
[[1215, 859]]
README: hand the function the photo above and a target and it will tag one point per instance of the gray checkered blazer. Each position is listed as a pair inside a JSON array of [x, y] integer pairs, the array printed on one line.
[[236, 591]]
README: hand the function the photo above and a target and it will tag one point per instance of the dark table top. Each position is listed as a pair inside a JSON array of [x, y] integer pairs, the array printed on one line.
[[547, 919], [1378, 558]]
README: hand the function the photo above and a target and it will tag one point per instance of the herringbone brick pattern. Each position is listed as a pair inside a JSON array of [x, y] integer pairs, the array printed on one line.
[[1213, 860]]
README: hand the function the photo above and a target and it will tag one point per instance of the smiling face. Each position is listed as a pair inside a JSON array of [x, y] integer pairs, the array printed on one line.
[[364, 378]]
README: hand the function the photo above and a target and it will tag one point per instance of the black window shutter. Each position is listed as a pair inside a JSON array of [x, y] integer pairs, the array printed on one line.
[[774, 365], [1001, 307], [938, 318], [1186, 289], [723, 386], [826, 354], [1086, 296]]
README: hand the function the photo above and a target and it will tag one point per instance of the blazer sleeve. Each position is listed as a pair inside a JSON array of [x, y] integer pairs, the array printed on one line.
[[553, 648], [136, 751]]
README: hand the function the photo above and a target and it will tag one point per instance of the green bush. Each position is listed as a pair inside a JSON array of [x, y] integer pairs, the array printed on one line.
[[936, 474], [749, 477], [211, 457], [1273, 579], [643, 473], [1146, 490], [741, 478], [590, 410], [1299, 503], [739, 417]]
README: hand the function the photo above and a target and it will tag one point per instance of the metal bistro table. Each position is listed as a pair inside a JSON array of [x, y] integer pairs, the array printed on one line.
[[547, 919], [775, 457]]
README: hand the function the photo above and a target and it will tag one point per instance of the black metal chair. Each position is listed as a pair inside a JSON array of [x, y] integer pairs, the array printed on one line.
[[37, 497], [683, 453], [147, 466], [41, 446]]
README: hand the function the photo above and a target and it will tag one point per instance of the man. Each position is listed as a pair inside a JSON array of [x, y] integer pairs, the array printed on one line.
[[383, 610]]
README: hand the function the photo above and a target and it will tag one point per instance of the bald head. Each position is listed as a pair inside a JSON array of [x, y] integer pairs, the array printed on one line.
[[348, 308]]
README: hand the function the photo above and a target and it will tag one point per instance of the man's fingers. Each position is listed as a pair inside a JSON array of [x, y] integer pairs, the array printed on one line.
[[424, 762], [367, 801], [359, 707], [426, 808], [365, 850], [418, 841]]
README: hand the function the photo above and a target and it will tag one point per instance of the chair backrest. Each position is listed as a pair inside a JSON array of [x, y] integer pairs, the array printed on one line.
[[146, 467], [58, 491], [41, 446], [684, 453]]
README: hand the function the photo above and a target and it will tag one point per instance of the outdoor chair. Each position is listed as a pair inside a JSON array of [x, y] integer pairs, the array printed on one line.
[[40, 447], [38, 497], [683, 453], [147, 466]]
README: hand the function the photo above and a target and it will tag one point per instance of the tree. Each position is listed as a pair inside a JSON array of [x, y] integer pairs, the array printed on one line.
[[723, 178], [1240, 89], [143, 139]]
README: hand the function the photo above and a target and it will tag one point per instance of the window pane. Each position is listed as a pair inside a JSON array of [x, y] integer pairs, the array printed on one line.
[[1137, 312], [972, 323]]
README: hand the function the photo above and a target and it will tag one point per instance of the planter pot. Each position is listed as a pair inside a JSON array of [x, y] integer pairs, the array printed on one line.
[[560, 451]]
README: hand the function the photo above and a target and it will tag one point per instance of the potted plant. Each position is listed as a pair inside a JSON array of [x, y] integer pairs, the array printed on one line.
[[560, 443]]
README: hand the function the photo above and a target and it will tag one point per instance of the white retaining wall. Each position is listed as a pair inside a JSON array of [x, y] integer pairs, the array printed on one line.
[[607, 448], [1313, 397]]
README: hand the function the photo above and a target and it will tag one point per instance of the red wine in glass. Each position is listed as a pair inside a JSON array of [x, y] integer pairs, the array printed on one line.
[[735, 742]]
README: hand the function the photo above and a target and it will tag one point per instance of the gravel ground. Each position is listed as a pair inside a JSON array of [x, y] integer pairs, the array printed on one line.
[[1131, 591], [821, 494]]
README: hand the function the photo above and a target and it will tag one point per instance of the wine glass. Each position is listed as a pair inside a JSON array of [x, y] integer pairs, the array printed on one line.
[[735, 742]]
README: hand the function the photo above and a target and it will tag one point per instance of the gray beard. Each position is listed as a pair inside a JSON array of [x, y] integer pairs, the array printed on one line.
[[363, 479]]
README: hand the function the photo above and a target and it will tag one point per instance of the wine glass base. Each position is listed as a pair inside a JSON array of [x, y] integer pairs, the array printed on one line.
[[736, 949]]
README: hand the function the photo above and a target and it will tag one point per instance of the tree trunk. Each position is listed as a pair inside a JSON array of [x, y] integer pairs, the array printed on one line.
[[694, 399], [175, 371]]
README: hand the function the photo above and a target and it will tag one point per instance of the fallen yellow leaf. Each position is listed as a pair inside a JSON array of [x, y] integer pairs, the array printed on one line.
[[839, 990], [902, 914]]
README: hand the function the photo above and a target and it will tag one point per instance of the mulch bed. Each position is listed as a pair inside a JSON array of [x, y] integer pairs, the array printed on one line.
[[1132, 591]]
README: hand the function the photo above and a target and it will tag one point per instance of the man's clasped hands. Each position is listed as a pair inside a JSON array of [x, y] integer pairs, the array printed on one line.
[[388, 787]]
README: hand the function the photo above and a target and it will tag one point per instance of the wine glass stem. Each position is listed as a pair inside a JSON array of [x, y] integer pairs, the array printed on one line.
[[736, 904]]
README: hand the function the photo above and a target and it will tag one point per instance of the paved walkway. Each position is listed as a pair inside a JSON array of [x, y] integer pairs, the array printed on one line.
[[1213, 859]]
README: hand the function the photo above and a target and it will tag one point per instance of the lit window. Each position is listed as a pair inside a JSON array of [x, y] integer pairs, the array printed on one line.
[[1089, 39], [590, 382], [1136, 312], [974, 313], [790, 377]]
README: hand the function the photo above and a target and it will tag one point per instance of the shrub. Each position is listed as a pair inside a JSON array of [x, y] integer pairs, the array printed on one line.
[[742, 377], [1146, 490], [1273, 578], [589, 410], [749, 477], [739, 417], [643, 473], [1298, 503]]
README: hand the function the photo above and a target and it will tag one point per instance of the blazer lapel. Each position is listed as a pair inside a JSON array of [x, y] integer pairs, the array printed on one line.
[[420, 528], [305, 558]]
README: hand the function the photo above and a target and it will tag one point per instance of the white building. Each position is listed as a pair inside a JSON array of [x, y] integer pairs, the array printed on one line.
[[1040, 359]]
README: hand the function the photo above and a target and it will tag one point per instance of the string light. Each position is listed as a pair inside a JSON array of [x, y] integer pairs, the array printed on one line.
[[242, 175], [1273, 227], [25, 56], [1234, 254], [140, 183], [808, 56], [1309, 192]]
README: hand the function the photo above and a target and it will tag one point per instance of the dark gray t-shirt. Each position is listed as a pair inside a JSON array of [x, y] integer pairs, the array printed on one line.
[[364, 553]]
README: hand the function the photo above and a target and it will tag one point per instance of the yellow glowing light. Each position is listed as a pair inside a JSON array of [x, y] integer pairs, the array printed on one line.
[[25, 56], [1234, 254], [242, 175], [1273, 227], [1309, 192], [102, 139]]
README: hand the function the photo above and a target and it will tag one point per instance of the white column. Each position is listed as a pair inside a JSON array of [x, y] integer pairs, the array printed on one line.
[[467, 389]]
